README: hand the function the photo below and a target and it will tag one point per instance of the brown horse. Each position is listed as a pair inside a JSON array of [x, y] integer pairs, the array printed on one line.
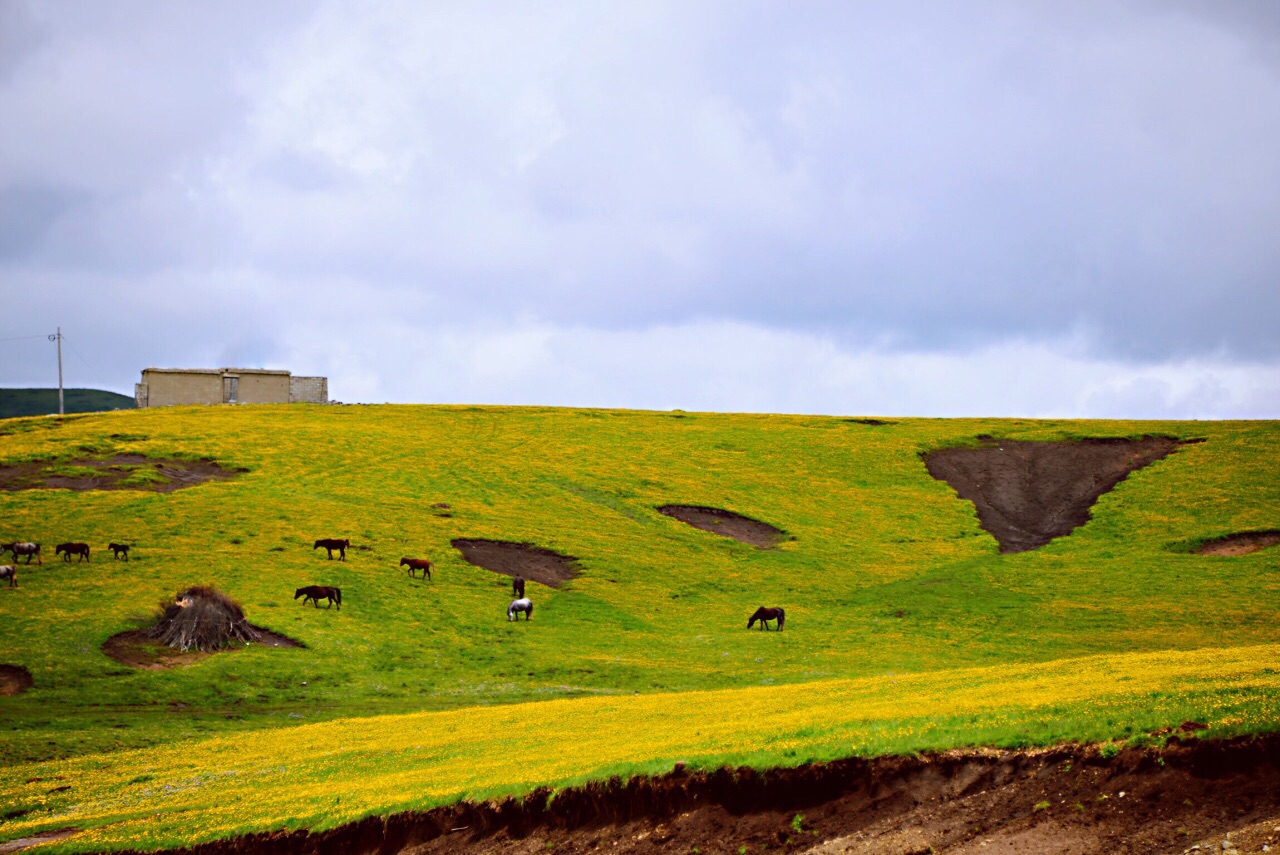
[[118, 548], [765, 615], [517, 587], [20, 548], [69, 549], [332, 543], [316, 593], [10, 572], [417, 564]]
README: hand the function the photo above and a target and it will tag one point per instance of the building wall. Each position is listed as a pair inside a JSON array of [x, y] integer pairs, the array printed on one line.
[[262, 387], [308, 390], [172, 386], [164, 388]]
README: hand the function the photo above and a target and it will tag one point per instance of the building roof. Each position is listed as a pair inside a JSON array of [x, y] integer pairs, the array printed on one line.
[[215, 371]]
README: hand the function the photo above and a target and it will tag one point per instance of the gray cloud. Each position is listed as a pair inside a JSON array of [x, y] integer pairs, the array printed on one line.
[[915, 178]]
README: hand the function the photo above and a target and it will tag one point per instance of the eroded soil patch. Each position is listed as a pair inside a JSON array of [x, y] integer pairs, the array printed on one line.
[[1028, 493], [1241, 543], [534, 563], [119, 472], [14, 680], [1062, 800], [135, 649], [726, 524]]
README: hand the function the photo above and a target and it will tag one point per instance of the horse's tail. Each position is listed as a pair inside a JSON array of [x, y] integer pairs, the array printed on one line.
[[782, 619], [337, 595]]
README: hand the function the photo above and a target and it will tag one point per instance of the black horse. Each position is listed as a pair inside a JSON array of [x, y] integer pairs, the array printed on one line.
[[517, 587], [316, 593], [765, 615], [66, 550], [332, 543], [119, 548]]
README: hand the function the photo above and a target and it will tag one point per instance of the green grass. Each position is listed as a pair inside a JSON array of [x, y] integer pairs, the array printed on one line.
[[888, 572]]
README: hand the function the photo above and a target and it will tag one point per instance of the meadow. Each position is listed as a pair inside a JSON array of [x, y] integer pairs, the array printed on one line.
[[906, 628]]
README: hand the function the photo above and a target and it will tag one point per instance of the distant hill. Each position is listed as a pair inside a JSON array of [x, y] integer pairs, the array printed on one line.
[[42, 402]]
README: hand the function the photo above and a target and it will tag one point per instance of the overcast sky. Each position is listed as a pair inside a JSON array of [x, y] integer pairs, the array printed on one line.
[[934, 208]]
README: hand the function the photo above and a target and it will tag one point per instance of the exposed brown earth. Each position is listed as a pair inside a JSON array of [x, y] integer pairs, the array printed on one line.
[[1028, 493], [1064, 800], [135, 649], [110, 473], [1241, 543], [534, 563], [726, 524], [14, 680], [27, 842]]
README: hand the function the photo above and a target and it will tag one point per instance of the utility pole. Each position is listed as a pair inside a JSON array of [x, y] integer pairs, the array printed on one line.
[[58, 339]]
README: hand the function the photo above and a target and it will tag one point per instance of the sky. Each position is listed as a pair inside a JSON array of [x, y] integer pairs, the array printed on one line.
[[1033, 209]]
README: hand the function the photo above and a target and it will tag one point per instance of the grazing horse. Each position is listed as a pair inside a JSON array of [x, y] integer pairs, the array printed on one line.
[[19, 548], [118, 548], [10, 572], [332, 543], [765, 615], [521, 605], [69, 549], [418, 564], [316, 593], [517, 587]]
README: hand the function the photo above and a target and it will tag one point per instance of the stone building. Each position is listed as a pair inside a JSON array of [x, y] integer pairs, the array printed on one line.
[[164, 387]]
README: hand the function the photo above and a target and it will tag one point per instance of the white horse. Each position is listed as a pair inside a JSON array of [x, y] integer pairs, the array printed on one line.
[[523, 604], [20, 548], [10, 572]]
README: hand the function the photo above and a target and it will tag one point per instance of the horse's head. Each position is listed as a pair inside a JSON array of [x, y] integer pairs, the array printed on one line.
[[298, 593]]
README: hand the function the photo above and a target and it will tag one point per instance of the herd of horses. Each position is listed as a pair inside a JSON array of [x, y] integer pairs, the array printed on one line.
[[518, 606], [315, 593]]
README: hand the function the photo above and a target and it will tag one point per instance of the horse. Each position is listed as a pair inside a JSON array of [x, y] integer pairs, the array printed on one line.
[[315, 593], [521, 605], [517, 587], [418, 564], [118, 548], [20, 548], [69, 549], [10, 572], [765, 615], [332, 543]]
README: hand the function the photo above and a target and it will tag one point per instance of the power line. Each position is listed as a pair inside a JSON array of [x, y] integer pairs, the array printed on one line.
[[23, 338]]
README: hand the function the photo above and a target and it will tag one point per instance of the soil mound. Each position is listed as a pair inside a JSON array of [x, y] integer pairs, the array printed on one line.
[[1028, 493], [727, 524], [135, 649], [14, 680], [120, 472], [1063, 800], [1241, 543], [534, 563]]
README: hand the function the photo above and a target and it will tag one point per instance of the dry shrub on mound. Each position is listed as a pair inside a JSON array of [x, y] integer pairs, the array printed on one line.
[[202, 618]]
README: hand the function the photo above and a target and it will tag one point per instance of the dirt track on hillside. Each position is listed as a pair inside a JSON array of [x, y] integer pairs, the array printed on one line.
[[1063, 800]]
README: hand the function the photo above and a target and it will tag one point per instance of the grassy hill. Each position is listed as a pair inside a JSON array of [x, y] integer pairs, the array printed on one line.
[[906, 628], [43, 402]]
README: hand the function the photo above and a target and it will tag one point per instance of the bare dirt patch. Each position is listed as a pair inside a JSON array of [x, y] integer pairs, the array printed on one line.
[[726, 524], [119, 472], [1241, 543], [1062, 800], [14, 680], [36, 839], [1028, 493], [135, 649], [534, 563]]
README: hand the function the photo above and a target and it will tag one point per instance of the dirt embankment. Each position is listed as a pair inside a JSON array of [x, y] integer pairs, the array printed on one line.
[[1064, 800], [1028, 493], [1241, 543], [533, 563], [119, 472], [726, 524]]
